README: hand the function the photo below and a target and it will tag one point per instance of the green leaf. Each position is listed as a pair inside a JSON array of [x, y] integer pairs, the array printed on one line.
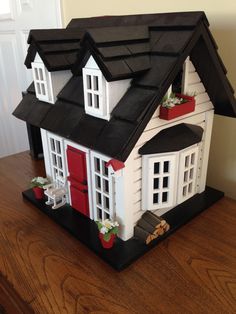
[[107, 236], [115, 230]]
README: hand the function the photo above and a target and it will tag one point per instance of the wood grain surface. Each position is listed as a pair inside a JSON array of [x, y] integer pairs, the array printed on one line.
[[193, 271]]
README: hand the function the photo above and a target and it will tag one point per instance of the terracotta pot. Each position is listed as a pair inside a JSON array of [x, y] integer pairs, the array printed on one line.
[[178, 110], [38, 193], [107, 244]]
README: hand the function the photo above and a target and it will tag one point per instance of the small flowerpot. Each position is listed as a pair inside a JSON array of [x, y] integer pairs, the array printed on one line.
[[107, 244], [178, 110], [38, 193]]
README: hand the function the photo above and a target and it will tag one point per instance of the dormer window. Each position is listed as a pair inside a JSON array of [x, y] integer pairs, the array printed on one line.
[[93, 92], [40, 81], [48, 84], [101, 96]]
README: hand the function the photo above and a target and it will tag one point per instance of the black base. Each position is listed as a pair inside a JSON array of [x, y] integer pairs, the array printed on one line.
[[124, 252]]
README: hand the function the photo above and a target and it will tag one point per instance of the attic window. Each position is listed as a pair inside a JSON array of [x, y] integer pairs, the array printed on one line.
[[93, 92], [40, 81]]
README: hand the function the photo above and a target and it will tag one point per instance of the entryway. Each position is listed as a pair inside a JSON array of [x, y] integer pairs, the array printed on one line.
[[77, 178]]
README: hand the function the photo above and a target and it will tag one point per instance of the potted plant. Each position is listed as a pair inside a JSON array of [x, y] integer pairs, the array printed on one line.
[[107, 232], [37, 185], [176, 105]]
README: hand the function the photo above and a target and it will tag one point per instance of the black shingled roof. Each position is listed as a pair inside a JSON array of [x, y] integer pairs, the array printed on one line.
[[149, 48]]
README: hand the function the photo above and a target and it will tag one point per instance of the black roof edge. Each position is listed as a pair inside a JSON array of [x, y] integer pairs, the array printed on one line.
[[89, 20]]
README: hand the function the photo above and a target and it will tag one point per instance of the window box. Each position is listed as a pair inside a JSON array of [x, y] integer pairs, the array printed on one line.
[[178, 110]]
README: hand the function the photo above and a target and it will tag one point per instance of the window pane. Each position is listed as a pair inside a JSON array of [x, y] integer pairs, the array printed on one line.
[[59, 160], [90, 99], [95, 83], [98, 182], [58, 147], [41, 74], [191, 174], [104, 169], [43, 90], [165, 182], [55, 172], [184, 190], [89, 83], [190, 187], [38, 89], [54, 160], [193, 159], [106, 186], [156, 167], [156, 183], [96, 101], [166, 166], [164, 197], [36, 73], [52, 142], [155, 198], [186, 161], [107, 216], [185, 176], [97, 164], [99, 211], [106, 203], [99, 198]]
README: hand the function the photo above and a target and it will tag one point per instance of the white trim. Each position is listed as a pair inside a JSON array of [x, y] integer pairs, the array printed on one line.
[[209, 116], [159, 175], [88, 169], [185, 83], [56, 155], [46, 153], [187, 178], [94, 93], [99, 187], [42, 81]]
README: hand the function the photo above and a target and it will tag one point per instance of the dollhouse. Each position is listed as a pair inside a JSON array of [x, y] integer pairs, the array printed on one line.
[[98, 85]]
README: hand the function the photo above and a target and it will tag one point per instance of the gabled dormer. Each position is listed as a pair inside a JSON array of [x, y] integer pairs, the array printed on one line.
[[48, 84], [101, 96]]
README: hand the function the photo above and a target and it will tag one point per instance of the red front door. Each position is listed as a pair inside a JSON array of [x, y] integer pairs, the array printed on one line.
[[76, 160]]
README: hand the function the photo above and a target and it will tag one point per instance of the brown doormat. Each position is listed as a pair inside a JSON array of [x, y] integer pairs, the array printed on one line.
[[10, 301]]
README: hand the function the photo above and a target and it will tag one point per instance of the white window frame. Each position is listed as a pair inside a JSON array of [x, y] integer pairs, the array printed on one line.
[[182, 182], [106, 191], [164, 191], [57, 157], [41, 81], [188, 165], [94, 91]]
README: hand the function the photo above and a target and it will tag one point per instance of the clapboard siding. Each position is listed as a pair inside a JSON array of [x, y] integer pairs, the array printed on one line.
[[194, 86]]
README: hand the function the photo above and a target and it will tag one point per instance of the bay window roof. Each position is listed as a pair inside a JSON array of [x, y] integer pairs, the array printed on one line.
[[173, 139]]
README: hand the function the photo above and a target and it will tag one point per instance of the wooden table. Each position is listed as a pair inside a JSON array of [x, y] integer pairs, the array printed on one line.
[[193, 271]]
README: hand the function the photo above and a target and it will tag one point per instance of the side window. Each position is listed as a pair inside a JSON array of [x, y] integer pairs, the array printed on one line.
[[187, 174], [40, 81], [158, 192], [56, 156], [93, 93], [102, 186]]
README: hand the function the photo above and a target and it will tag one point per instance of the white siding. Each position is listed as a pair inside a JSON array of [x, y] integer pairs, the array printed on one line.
[[201, 116], [59, 80]]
